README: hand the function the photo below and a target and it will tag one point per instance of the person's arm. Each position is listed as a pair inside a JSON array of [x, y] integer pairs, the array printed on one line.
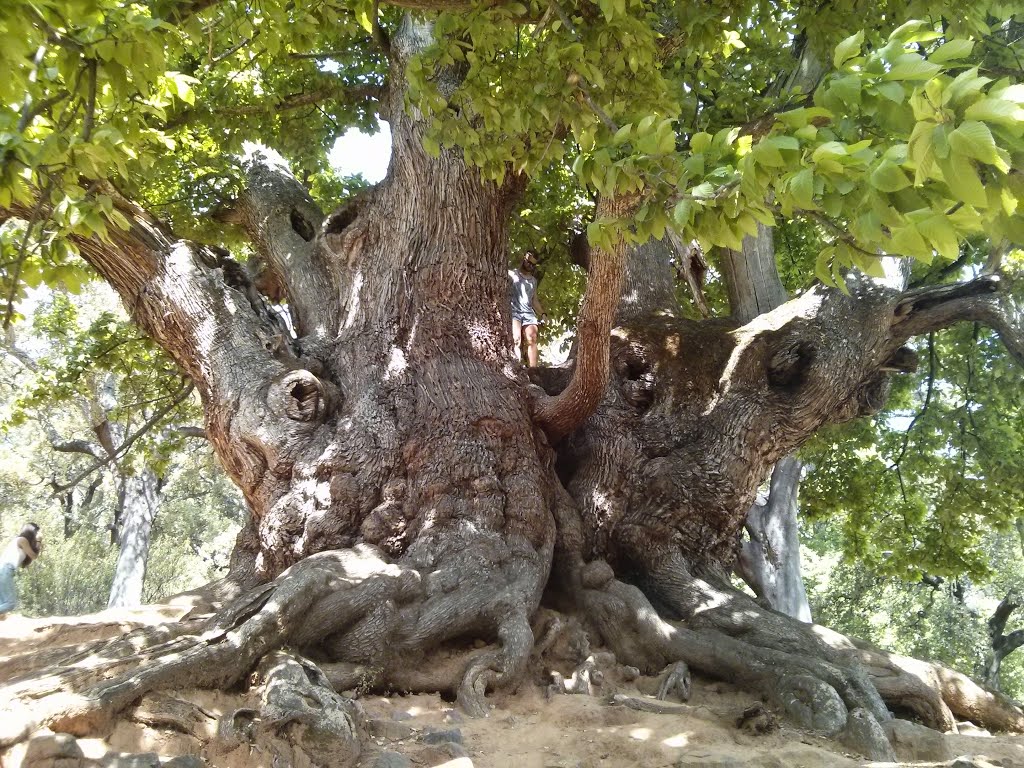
[[536, 305], [25, 547]]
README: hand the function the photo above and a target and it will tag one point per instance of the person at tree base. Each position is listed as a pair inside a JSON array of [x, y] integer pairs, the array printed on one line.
[[22, 550], [526, 309]]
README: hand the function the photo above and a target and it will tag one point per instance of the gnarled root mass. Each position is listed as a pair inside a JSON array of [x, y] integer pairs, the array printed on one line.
[[351, 600], [350, 619], [820, 679]]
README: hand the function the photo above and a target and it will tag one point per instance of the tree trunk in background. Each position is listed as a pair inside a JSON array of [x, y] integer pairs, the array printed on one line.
[[752, 277], [138, 503], [769, 560], [1002, 644]]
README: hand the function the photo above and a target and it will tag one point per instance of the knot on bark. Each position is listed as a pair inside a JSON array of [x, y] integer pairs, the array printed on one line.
[[596, 574], [903, 360], [788, 365], [871, 397], [636, 379], [336, 227], [300, 396]]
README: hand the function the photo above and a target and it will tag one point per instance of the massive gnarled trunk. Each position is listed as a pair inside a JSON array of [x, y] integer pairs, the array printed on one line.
[[410, 490], [665, 470]]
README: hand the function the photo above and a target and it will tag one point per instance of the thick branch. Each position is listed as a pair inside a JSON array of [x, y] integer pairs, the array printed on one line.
[[561, 414], [648, 282], [75, 446], [283, 222], [997, 622], [194, 301], [981, 300], [1013, 641]]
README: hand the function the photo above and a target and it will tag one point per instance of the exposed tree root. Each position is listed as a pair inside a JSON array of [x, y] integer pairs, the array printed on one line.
[[351, 605], [814, 692], [933, 693], [301, 712], [98, 683], [936, 695], [650, 705], [677, 682], [368, 624]]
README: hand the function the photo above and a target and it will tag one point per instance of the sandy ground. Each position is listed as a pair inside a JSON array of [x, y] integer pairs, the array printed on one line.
[[524, 730]]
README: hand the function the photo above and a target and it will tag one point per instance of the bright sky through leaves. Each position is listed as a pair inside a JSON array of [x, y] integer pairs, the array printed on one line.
[[365, 153]]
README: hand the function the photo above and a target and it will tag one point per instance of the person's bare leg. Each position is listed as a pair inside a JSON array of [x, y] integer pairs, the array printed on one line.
[[517, 339], [530, 331]]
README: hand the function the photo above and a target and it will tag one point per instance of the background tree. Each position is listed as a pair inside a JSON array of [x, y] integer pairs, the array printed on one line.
[[87, 381], [409, 487]]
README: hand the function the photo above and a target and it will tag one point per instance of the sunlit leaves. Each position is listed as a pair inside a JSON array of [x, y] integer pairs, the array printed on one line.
[[695, 110]]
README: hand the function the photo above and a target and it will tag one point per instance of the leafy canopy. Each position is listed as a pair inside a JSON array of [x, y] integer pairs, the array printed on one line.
[[701, 112]]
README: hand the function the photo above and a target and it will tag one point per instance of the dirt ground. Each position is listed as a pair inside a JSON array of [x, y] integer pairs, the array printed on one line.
[[526, 729]]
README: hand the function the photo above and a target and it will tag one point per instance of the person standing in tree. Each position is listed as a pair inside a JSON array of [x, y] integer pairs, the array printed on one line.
[[22, 550], [526, 309]]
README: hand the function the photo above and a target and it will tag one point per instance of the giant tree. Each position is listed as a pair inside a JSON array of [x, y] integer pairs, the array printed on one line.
[[411, 488]]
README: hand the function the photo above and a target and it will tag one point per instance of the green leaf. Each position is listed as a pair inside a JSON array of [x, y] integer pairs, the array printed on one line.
[[847, 49], [703, 191], [942, 235], [889, 177], [914, 31], [767, 154], [681, 213], [975, 140], [998, 111], [963, 180], [801, 186], [622, 135], [823, 265], [951, 51], [700, 142], [907, 240], [431, 146], [363, 12], [912, 67], [892, 91]]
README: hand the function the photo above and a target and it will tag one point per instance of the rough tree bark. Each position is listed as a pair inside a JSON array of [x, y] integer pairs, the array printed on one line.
[[411, 491]]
